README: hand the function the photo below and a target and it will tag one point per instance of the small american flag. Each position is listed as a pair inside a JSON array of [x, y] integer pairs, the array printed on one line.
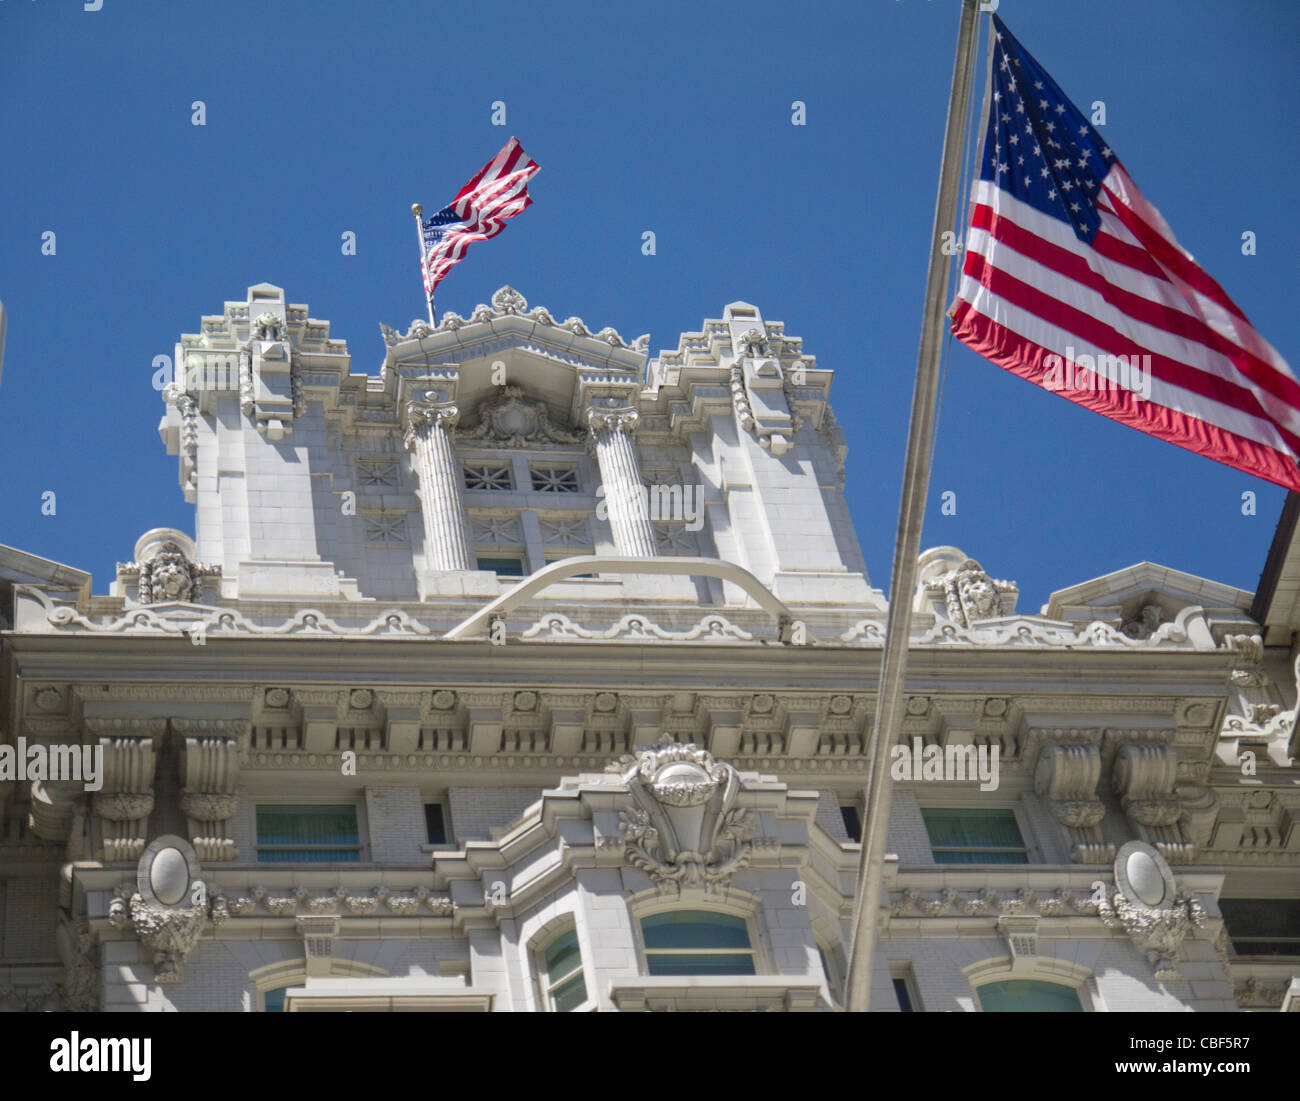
[[1073, 281], [498, 192]]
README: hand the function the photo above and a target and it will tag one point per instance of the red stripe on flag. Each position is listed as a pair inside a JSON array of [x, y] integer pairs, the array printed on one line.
[[1022, 357], [1188, 326], [495, 194], [1102, 337]]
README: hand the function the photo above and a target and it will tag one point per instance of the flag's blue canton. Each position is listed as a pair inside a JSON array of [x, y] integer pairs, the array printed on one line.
[[1037, 145], [435, 227]]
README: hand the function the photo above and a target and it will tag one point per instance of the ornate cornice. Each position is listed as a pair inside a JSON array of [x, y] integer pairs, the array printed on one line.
[[508, 302]]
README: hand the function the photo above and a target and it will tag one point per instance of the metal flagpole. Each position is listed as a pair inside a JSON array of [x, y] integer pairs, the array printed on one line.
[[417, 210], [907, 544]]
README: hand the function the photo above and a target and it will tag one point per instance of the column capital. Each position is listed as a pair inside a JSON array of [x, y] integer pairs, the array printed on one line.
[[424, 413], [611, 415]]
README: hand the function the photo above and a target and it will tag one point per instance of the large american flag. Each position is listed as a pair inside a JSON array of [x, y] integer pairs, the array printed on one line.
[[498, 192], [1067, 267]]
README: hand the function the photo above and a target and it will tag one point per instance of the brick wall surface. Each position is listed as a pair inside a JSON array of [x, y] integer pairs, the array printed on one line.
[[477, 811]]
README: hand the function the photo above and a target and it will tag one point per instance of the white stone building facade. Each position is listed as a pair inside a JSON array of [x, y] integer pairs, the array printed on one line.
[[535, 673]]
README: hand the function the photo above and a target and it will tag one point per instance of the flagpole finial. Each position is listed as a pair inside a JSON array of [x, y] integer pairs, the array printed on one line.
[[417, 209]]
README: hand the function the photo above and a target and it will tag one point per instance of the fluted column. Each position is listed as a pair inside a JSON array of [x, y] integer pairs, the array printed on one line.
[[620, 473], [446, 536]]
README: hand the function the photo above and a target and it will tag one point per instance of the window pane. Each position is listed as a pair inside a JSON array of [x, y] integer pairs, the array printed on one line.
[[435, 829], [975, 857], [973, 828], [308, 856], [274, 1000], [1027, 996], [904, 998], [1263, 926], [554, 480], [852, 822], [306, 825], [739, 963], [488, 477], [505, 567], [695, 929], [570, 995], [563, 956]]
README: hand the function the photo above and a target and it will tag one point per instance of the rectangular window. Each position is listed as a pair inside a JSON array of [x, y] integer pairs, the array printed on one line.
[[488, 476], [852, 821], [903, 995], [306, 833], [904, 983], [566, 989], [1263, 926], [554, 479], [697, 942], [435, 824], [975, 836], [502, 567]]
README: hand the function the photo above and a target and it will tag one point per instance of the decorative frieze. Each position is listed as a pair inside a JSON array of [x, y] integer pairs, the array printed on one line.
[[988, 902], [338, 902]]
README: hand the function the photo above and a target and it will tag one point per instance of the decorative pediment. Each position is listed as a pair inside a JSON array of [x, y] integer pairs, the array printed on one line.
[[1140, 593]]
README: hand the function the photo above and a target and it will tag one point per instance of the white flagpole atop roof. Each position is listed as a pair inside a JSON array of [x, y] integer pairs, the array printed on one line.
[[911, 517], [417, 210]]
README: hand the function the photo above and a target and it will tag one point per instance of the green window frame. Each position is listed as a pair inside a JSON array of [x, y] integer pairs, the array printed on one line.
[[697, 942], [308, 833], [563, 980], [975, 835], [273, 1000], [1028, 996]]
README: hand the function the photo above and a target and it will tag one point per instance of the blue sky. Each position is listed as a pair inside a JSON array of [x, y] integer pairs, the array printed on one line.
[[324, 117]]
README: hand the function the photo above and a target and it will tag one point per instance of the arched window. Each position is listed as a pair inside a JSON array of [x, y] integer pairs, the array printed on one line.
[[1028, 996], [272, 982], [562, 977], [697, 942]]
